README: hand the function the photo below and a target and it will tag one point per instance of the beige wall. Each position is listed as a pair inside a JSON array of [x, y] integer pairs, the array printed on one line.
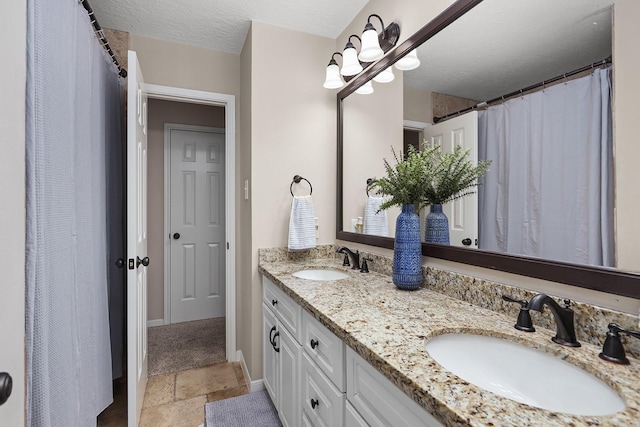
[[161, 112], [293, 131], [417, 105], [245, 266], [179, 65], [626, 72], [372, 126], [13, 30]]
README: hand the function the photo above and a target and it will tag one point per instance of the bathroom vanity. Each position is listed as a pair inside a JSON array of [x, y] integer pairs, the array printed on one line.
[[351, 352]]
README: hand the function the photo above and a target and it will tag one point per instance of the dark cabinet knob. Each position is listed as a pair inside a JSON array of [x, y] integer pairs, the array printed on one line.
[[6, 386], [314, 403], [274, 302], [273, 343], [176, 236], [314, 344], [120, 262], [144, 261], [466, 242]]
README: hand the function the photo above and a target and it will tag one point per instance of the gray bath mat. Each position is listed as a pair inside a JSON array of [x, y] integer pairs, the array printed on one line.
[[254, 409]]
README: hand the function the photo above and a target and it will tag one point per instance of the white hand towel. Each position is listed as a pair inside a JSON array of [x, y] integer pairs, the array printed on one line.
[[302, 225], [375, 223]]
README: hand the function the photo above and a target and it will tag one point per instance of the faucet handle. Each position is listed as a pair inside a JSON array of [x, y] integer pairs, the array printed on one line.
[[524, 322], [365, 268], [345, 260], [613, 350]]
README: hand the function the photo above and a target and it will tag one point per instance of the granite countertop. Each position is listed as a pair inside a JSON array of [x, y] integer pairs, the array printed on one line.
[[388, 327]]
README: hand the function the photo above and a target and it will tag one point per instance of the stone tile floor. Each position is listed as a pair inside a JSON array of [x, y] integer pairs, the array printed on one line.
[[177, 399]]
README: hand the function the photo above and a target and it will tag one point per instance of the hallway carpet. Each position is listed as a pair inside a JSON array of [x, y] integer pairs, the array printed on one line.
[[187, 345]]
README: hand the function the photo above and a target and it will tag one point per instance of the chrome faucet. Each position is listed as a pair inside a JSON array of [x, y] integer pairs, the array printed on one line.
[[565, 332], [355, 257]]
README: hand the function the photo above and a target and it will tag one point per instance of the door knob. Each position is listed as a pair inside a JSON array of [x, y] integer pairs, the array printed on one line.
[[176, 236], [144, 261], [466, 242], [120, 262], [6, 385]]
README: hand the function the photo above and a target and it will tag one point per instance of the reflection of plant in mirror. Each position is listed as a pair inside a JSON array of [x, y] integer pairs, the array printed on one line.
[[452, 175], [407, 181]]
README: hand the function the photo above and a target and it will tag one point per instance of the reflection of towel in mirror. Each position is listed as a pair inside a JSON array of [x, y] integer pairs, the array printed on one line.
[[375, 223], [302, 225]]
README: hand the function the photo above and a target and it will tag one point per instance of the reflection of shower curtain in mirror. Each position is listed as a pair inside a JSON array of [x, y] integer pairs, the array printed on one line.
[[549, 192]]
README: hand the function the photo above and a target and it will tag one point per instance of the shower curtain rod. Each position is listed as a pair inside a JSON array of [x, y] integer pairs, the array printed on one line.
[[105, 43], [484, 104]]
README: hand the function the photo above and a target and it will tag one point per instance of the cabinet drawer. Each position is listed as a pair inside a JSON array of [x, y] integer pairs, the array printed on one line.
[[287, 311], [324, 348], [378, 400], [322, 403]]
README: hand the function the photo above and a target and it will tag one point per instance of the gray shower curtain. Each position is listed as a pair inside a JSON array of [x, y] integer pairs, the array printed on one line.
[[74, 113], [549, 192]]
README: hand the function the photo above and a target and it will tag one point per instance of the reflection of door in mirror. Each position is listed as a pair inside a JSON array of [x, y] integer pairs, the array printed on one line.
[[462, 213]]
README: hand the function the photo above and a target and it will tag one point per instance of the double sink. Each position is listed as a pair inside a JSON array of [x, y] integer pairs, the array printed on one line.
[[512, 370]]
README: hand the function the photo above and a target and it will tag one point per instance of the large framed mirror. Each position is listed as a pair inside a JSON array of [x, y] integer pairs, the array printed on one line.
[[507, 54]]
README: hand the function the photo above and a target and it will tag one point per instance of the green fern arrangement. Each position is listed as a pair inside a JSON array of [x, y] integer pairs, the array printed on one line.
[[453, 176], [408, 180], [428, 177]]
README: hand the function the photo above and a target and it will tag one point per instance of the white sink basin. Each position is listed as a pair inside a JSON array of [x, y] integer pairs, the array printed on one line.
[[320, 274], [524, 374]]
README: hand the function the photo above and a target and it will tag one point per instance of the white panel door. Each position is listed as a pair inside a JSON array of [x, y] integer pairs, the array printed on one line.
[[463, 212], [197, 225], [136, 241]]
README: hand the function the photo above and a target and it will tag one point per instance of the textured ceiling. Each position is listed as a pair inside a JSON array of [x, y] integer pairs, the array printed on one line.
[[223, 24], [502, 46]]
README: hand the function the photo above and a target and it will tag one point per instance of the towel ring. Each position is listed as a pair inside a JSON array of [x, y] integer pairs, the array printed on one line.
[[369, 182], [297, 179]]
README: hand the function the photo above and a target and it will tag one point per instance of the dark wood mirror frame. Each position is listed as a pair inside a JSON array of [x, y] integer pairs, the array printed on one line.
[[583, 276]]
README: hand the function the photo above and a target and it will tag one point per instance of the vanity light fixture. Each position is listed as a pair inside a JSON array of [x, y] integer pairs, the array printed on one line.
[[350, 64], [373, 45], [365, 89], [385, 76], [408, 62], [333, 79]]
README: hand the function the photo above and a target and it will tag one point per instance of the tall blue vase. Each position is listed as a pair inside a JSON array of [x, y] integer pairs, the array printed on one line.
[[436, 228], [407, 250]]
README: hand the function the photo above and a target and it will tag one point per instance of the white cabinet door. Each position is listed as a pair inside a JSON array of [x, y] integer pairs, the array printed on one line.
[[270, 363], [289, 371]]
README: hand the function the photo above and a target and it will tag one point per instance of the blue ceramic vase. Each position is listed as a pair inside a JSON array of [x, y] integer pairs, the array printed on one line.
[[407, 250], [436, 228]]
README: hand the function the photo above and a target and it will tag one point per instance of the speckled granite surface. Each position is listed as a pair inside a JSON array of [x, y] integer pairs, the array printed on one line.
[[388, 328]]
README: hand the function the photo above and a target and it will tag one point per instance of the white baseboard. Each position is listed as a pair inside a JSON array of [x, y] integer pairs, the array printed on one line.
[[253, 386], [156, 322]]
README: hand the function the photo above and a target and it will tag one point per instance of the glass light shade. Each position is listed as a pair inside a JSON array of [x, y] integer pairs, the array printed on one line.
[[385, 76], [350, 64], [408, 62], [370, 50], [365, 89], [333, 79]]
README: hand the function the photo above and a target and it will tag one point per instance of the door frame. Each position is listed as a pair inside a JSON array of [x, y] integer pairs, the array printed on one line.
[[168, 127], [170, 93]]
